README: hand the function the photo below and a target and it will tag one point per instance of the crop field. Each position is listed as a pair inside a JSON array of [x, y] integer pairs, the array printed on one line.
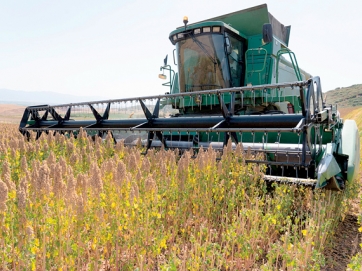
[[79, 204]]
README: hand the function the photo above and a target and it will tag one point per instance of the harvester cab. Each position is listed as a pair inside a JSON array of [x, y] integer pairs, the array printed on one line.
[[237, 82]]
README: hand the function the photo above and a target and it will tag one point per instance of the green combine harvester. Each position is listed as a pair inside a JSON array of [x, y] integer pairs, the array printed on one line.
[[236, 80]]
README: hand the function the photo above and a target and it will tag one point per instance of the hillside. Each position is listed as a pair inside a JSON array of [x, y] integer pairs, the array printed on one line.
[[346, 96]]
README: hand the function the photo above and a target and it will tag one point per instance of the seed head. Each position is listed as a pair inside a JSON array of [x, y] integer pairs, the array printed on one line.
[[120, 146], [58, 184], [13, 153], [30, 231], [62, 163], [71, 195], [107, 167], [50, 138], [37, 147], [45, 147], [74, 158], [132, 162], [10, 184], [96, 180], [6, 169], [134, 193], [43, 184], [120, 173], [80, 205], [151, 185], [51, 158], [82, 134], [23, 163], [163, 170], [70, 147], [239, 150], [23, 185], [3, 195], [139, 174], [99, 154], [21, 196], [146, 166], [22, 146]]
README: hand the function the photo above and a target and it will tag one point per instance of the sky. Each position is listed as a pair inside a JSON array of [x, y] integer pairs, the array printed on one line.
[[114, 49]]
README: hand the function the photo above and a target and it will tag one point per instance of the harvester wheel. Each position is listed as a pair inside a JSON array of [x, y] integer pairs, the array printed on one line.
[[336, 184]]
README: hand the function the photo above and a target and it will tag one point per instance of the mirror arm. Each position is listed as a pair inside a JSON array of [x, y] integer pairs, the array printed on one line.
[[173, 53]]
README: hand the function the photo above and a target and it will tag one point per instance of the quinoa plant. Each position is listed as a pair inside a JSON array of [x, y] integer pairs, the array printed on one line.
[[84, 204]]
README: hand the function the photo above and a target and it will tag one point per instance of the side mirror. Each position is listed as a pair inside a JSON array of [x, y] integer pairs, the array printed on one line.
[[267, 33], [165, 60], [228, 45]]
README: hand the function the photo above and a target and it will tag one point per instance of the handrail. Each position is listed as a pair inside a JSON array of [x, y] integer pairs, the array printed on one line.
[[293, 59], [172, 76]]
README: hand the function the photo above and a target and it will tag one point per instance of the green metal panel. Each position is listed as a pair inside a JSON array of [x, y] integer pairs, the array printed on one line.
[[256, 42]]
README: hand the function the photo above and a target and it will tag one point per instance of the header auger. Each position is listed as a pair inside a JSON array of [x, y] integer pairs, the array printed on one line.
[[228, 87]]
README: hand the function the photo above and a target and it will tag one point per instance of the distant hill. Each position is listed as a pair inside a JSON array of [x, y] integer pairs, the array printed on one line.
[[19, 97], [346, 96]]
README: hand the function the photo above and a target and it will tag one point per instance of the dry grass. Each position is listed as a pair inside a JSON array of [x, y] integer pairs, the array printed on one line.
[[345, 112], [10, 113]]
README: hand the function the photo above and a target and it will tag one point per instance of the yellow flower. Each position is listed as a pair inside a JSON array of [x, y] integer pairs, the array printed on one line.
[[103, 196], [36, 242], [34, 250], [93, 246], [360, 229], [163, 243], [304, 232]]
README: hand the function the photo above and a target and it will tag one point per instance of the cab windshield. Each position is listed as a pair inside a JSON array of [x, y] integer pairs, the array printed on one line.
[[203, 63]]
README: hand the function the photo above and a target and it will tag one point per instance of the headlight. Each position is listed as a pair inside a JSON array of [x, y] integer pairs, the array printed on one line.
[[216, 29], [206, 29]]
